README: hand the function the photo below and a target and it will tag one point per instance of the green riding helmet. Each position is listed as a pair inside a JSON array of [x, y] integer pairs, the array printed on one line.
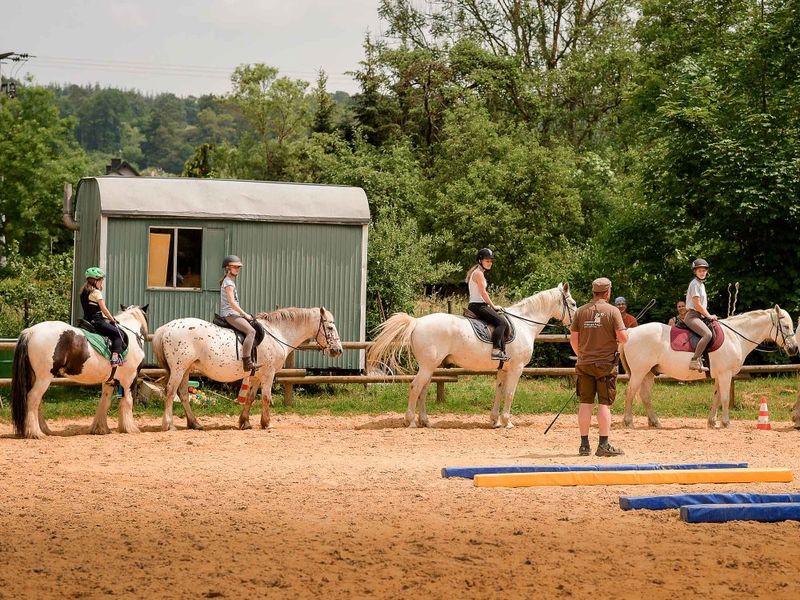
[[95, 273]]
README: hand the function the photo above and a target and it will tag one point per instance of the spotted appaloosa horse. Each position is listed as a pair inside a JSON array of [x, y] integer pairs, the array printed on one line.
[[190, 345], [53, 349]]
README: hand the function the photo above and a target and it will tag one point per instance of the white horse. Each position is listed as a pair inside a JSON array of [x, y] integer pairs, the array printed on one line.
[[190, 345], [437, 337], [648, 351], [51, 349]]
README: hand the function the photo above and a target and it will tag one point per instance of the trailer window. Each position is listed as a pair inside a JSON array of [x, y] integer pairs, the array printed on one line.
[[174, 257]]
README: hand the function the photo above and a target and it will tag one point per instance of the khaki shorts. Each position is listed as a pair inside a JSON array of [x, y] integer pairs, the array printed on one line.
[[597, 379]]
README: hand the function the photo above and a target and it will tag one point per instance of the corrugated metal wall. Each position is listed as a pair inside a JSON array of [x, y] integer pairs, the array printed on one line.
[[87, 238], [286, 264]]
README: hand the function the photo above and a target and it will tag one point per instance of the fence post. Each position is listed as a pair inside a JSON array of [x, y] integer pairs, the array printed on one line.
[[440, 391], [449, 306]]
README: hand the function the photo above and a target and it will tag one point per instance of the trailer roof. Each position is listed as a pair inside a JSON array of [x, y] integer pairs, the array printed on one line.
[[184, 197]]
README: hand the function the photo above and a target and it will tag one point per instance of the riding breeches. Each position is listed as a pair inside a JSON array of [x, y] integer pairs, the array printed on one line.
[[242, 324], [694, 321], [108, 329], [489, 315]]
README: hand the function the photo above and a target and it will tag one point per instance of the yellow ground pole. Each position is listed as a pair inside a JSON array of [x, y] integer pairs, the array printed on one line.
[[634, 477]]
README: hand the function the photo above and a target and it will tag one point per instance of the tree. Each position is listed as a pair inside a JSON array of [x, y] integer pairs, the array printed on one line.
[[38, 154], [324, 106]]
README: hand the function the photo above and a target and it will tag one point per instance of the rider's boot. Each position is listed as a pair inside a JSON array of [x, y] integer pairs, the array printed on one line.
[[116, 360], [696, 364], [498, 354], [249, 366]]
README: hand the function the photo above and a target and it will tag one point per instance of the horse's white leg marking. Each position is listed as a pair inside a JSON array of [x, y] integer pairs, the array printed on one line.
[[32, 429], [244, 417], [634, 384], [100, 424], [42, 423], [175, 378], [724, 393], [126, 422], [712, 417], [421, 381], [183, 394], [507, 389], [266, 399], [646, 393], [422, 404]]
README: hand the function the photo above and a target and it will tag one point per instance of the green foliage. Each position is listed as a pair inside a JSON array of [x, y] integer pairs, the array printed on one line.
[[45, 281], [38, 153]]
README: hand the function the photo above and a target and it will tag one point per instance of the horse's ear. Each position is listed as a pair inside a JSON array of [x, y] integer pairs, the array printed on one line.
[[322, 310], [123, 307], [566, 287], [144, 308]]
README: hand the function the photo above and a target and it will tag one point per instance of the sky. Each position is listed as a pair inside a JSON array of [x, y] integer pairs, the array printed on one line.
[[188, 48]]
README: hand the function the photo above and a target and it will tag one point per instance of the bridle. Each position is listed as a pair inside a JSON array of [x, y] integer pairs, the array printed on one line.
[[140, 335], [775, 319], [565, 311], [322, 327]]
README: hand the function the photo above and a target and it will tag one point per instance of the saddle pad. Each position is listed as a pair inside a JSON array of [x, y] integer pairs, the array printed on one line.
[[100, 344], [484, 331], [685, 340]]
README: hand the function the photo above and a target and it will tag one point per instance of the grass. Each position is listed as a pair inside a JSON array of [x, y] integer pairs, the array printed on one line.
[[472, 395]]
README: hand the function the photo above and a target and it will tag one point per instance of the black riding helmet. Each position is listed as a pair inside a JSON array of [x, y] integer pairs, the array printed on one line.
[[699, 263], [231, 261], [485, 253]]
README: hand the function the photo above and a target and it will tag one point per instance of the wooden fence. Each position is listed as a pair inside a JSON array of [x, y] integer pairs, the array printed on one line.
[[289, 377]]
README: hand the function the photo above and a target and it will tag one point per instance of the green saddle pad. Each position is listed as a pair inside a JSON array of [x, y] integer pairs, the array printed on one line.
[[98, 342]]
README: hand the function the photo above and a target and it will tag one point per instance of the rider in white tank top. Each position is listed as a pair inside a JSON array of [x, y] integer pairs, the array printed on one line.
[[474, 290]]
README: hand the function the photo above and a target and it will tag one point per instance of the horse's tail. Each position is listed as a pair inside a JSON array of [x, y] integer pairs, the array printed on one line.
[[157, 346], [22, 378], [623, 359], [392, 342]]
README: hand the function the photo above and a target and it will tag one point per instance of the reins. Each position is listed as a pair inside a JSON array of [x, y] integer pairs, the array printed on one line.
[[320, 328], [564, 310], [778, 329]]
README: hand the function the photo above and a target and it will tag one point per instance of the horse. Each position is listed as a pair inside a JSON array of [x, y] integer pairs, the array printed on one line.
[[51, 349], [437, 337], [648, 350], [190, 345], [796, 408]]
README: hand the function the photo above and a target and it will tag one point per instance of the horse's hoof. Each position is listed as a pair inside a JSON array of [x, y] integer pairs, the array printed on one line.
[[194, 425], [266, 426], [130, 430], [497, 425], [412, 425], [654, 424], [628, 424], [35, 436], [509, 425], [245, 426], [726, 425], [424, 423], [100, 431], [712, 425]]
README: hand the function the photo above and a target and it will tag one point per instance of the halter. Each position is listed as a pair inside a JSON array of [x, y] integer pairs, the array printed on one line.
[[322, 322]]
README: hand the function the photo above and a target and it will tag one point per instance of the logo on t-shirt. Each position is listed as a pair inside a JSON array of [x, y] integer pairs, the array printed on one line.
[[595, 322]]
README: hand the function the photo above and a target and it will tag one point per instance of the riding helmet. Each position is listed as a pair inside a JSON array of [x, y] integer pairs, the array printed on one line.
[[95, 273], [485, 253], [698, 263], [231, 261]]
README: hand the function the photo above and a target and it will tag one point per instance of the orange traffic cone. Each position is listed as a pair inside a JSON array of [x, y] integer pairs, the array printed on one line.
[[763, 415], [245, 390]]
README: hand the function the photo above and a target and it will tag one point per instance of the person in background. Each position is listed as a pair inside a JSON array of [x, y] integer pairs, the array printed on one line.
[[680, 305], [595, 335], [627, 318]]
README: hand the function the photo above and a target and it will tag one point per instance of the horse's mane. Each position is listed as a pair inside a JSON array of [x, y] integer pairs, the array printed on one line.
[[282, 314], [534, 303], [750, 313]]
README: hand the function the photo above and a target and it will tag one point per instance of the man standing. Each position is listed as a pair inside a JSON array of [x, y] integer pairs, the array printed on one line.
[[627, 318], [596, 331]]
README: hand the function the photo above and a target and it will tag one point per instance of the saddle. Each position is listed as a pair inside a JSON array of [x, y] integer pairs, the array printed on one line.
[[260, 333], [100, 342], [483, 331], [683, 339]]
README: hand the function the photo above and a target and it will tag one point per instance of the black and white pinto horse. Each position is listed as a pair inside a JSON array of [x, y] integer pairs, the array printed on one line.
[[54, 349]]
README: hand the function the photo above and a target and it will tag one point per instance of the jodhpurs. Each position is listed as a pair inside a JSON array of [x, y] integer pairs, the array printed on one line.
[[489, 315], [107, 328], [694, 321], [243, 325]]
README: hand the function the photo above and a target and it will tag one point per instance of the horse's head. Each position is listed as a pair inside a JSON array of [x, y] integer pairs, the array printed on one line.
[[783, 331], [327, 335], [139, 313], [568, 304]]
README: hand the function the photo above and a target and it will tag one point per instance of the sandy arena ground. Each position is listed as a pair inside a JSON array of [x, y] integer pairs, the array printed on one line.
[[355, 507]]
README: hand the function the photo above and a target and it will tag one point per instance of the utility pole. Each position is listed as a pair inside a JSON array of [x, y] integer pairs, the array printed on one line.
[[10, 87]]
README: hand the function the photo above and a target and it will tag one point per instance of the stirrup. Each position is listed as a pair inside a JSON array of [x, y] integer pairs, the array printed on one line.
[[500, 355], [697, 365]]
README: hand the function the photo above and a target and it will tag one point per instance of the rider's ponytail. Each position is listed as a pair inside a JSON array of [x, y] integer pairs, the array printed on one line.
[[470, 272]]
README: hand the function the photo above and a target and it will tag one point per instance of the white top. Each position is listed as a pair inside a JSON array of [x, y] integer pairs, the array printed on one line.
[[696, 288], [225, 308], [474, 290]]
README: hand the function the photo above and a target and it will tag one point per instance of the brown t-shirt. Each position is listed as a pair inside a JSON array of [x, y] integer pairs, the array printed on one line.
[[597, 324]]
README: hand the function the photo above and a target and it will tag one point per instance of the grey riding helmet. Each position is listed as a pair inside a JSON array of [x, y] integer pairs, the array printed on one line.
[[698, 263], [231, 261]]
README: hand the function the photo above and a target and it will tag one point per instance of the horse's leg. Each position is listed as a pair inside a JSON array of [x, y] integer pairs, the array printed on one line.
[[32, 429], [175, 378], [42, 423], [507, 389], [126, 422], [646, 393], [244, 417], [183, 394], [266, 399], [796, 412], [724, 393], [420, 383], [422, 403], [634, 384], [100, 424], [712, 417]]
